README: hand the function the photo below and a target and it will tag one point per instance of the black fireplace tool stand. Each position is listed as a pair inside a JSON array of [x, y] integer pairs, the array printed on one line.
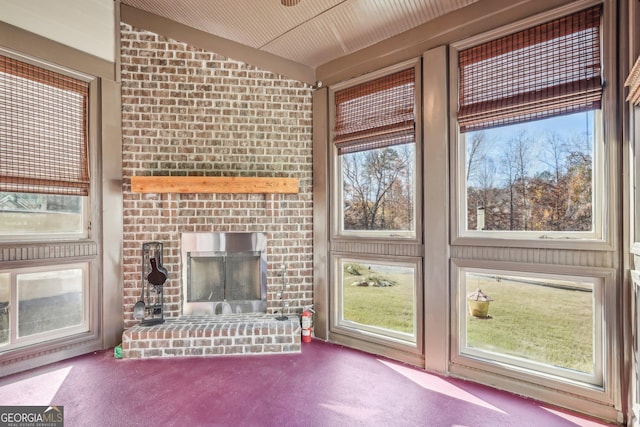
[[154, 275]]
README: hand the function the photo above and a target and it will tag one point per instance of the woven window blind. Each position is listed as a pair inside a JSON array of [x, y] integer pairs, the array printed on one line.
[[376, 114], [547, 70], [43, 131], [633, 81]]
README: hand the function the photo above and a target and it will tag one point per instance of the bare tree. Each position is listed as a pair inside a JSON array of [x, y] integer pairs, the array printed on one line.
[[520, 147], [579, 215], [516, 164], [377, 188], [485, 177], [476, 153], [543, 183], [510, 178], [556, 150]]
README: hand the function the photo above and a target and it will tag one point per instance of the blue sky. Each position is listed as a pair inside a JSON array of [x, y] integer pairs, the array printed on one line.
[[567, 127]]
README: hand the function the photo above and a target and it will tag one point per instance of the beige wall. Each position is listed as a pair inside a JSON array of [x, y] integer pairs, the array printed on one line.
[[44, 40], [86, 25]]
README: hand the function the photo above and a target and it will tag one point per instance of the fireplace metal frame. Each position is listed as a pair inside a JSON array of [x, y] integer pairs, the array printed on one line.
[[209, 243]]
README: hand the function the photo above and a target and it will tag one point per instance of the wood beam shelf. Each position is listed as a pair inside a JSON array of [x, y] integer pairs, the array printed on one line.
[[214, 184]]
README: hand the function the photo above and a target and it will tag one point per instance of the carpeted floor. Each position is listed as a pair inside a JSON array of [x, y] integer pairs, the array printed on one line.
[[325, 385]]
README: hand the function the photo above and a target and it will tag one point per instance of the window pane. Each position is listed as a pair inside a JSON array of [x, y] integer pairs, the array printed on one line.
[[35, 214], [534, 176], [5, 295], [43, 130], [49, 300], [381, 296], [533, 319], [378, 189]]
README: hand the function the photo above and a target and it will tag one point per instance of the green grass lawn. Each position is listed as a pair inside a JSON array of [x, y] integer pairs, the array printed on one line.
[[547, 324], [550, 322], [389, 307]]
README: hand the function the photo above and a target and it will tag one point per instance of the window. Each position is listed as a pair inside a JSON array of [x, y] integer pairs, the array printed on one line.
[[44, 167], [375, 140], [44, 198], [529, 117], [38, 304], [550, 323], [532, 222], [378, 297], [376, 251]]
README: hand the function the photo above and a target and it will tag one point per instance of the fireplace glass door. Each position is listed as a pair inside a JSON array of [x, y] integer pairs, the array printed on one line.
[[222, 276], [224, 273]]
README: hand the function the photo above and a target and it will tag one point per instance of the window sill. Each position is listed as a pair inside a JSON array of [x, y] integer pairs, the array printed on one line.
[[536, 243]]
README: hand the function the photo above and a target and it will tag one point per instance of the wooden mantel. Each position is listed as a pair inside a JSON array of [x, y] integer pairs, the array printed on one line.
[[214, 184]]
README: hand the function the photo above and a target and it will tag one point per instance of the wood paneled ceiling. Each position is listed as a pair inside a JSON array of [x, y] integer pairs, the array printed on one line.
[[309, 33]]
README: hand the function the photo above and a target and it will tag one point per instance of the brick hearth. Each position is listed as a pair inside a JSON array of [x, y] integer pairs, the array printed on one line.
[[213, 335]]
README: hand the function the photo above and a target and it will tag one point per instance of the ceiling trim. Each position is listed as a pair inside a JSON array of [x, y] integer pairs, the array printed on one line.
[[228, 48]]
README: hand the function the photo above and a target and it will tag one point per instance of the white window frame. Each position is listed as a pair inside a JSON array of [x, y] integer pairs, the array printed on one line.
[[54, 236], [601, 236], [598, 214], [350, 328], [595, 386], [596, 378], [337, 221], [85, 213], [18, 342]]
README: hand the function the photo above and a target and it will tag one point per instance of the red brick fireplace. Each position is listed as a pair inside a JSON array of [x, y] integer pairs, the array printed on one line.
[[188, 112]]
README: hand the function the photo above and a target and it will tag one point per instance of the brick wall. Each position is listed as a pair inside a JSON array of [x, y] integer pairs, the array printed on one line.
[[186, 111]]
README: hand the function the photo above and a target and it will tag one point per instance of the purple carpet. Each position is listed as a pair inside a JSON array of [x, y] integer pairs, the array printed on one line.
[[326, 385]]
